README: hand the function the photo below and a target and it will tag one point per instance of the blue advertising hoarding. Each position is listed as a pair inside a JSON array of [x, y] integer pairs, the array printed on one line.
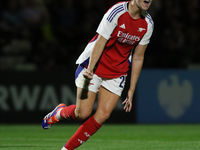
[[168, 96]]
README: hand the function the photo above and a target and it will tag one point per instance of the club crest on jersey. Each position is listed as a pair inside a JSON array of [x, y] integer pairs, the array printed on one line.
[[141, 29], [127, 38]]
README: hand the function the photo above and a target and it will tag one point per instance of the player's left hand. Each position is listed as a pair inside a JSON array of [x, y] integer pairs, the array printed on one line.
[[128, 104]]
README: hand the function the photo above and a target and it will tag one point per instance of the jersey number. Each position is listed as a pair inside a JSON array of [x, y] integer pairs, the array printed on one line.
[[123, 79]]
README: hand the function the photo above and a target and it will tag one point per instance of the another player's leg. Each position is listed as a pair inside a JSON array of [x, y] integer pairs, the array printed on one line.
[[106, 103]]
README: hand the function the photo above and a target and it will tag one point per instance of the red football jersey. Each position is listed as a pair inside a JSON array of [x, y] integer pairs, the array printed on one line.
[[123, 34]]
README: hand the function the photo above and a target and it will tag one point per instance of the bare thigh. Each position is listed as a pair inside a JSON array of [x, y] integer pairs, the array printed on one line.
[[84, 103], [107, 101]]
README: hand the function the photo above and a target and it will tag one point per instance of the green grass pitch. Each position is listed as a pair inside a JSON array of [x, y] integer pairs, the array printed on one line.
[[109, 137]]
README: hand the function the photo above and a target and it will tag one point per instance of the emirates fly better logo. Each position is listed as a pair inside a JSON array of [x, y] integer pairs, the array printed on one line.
[[127, 38], [175, 96]]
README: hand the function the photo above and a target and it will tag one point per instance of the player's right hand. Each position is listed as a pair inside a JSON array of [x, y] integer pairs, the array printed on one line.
[[88, 74]]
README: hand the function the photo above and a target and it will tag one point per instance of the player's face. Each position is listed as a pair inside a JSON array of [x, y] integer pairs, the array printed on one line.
[[143, 4]]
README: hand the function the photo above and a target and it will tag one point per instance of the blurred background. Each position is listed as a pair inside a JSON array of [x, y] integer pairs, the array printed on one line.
[[40, 41]]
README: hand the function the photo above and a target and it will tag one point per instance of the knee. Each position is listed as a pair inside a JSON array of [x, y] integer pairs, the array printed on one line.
[[101, 118], [105, 116], [82, 115]]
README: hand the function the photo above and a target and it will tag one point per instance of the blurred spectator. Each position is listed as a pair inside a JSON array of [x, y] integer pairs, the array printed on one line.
[[13, 46], [47, 35]]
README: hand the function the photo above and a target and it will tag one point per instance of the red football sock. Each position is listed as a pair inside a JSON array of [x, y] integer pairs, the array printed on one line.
[[68, 112], [87, 129]]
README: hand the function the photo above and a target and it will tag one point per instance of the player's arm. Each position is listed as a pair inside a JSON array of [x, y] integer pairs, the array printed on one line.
[[105, 29], [96, 54], [137, 63]]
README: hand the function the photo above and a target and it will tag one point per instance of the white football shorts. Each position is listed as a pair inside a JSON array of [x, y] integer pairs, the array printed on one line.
[[115, 85]]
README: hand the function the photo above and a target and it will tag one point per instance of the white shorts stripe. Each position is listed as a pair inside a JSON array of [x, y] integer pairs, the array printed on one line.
[[115, 85]]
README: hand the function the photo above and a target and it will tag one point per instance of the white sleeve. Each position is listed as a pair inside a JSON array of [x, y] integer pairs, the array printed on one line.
[[146, 38], [109, 21]]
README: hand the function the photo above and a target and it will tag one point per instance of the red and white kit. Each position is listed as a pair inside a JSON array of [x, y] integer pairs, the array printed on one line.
[[123, 34]]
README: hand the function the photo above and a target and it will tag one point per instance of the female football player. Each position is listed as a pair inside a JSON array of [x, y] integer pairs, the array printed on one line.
[[122, 38]]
